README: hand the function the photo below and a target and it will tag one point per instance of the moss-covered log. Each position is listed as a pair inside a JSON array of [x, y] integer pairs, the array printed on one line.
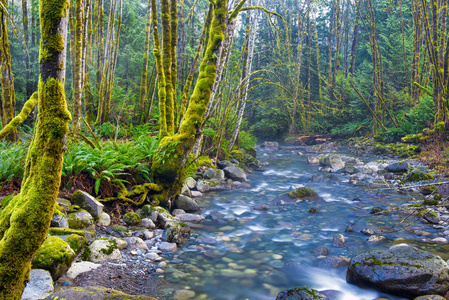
[[25, 221], [26, 110]]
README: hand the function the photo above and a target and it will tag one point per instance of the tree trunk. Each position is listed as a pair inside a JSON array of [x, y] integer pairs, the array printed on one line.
[[7, 80], [25, 221], [78, 66], [143, 81]]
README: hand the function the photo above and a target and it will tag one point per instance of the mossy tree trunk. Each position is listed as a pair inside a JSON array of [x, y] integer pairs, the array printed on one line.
[[174, 150], [25, 221], [78, 70], [7, 79], [143, 80]]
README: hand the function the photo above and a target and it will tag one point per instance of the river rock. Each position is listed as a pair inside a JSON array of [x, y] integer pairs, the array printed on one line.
[[102, 250], [121, 243], [403, 270], [81, 220], [167, 247], [196, 194], [186, 203], [190, 218], [183, 294], [260, 207], [338, 240], [64, 204], [136, 243], [89, 203], [39, 286], [104, 220], [190, 182], [178, 211], [313, 160], [298, 195], [398, 167], [177, 233], [235, 173], [202, 186], [214, 174], [59, 220], [54, 255], [81, 267], [332, 161], [148, 223], [224, 163], [270, 145], [376, 238], [321, 251], [300, 293]]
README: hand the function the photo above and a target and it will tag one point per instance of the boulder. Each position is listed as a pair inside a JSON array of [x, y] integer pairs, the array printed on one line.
[[332, 161], [214, 174], [251, 162], [190, 182], [196, 194], [136, 243], [64, 204], [176, 234], [235, 173], [132, 219], [39, 286], [202, 186], [104, 249], [59, 220], [81, 220], [63, 231], [167, 247], [402, 270], [81, 267], [300, 293], [338, 240], [55, 255], [148, 223], [104, 219], [313, 160], [398, 167], [190, 218], [298, 195], [94, 292], [224, 163], [148, 211], [270, 145], [430, 297], [187, 204], [89, 203], [75, 241]]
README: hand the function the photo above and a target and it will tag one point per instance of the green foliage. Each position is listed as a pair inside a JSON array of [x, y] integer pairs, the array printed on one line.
[[351, 129], [246, 140], [271, 122], [12, 161]]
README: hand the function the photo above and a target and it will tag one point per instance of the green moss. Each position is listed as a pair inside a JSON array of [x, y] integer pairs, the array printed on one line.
[[302, 193], [112, 245], [132, 219], [54, 255], [399, 150], [428, 189], [430, 202], [76, 242], [119, 228], [238, 155], [415, 176], [438, 197], [86, 253]]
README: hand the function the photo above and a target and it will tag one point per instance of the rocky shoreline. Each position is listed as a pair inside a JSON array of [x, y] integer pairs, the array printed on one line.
[[145, 244]]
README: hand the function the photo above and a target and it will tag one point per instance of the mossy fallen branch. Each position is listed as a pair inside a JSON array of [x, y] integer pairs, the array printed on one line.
[[26, 110], [140, 191]]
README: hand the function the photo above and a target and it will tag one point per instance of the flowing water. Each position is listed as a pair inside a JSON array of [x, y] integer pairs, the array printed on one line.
[[241, 253]]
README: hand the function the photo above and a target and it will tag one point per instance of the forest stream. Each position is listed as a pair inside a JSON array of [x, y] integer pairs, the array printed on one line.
[[243, 253]]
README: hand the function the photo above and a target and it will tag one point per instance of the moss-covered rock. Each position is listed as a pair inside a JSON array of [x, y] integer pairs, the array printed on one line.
[[132, 219], [415, 176], [55, 255], [81, 220], [104, 249], [76, 242], [94, 293], [430, 202], [88, 235], [300, 293], [428, 189], [399, 150], [238, 155], [298, 194]]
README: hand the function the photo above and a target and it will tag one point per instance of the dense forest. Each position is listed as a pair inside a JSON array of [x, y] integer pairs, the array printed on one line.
[[126, 99]]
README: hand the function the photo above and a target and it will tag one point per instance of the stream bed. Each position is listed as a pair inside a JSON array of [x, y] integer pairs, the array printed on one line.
[[243, 253]]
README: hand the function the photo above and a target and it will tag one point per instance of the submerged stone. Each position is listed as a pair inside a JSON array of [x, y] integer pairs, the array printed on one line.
[[300, 293]]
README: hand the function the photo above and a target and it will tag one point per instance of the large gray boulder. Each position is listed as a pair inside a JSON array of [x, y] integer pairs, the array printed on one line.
[[402, 270], [398, 167], [332, 161], [186, 203], [235, 173]]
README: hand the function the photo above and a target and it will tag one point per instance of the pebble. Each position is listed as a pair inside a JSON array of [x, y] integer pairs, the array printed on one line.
[[440, 240], [184, 294], [162, 264], [133, 252], [159, 271]]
